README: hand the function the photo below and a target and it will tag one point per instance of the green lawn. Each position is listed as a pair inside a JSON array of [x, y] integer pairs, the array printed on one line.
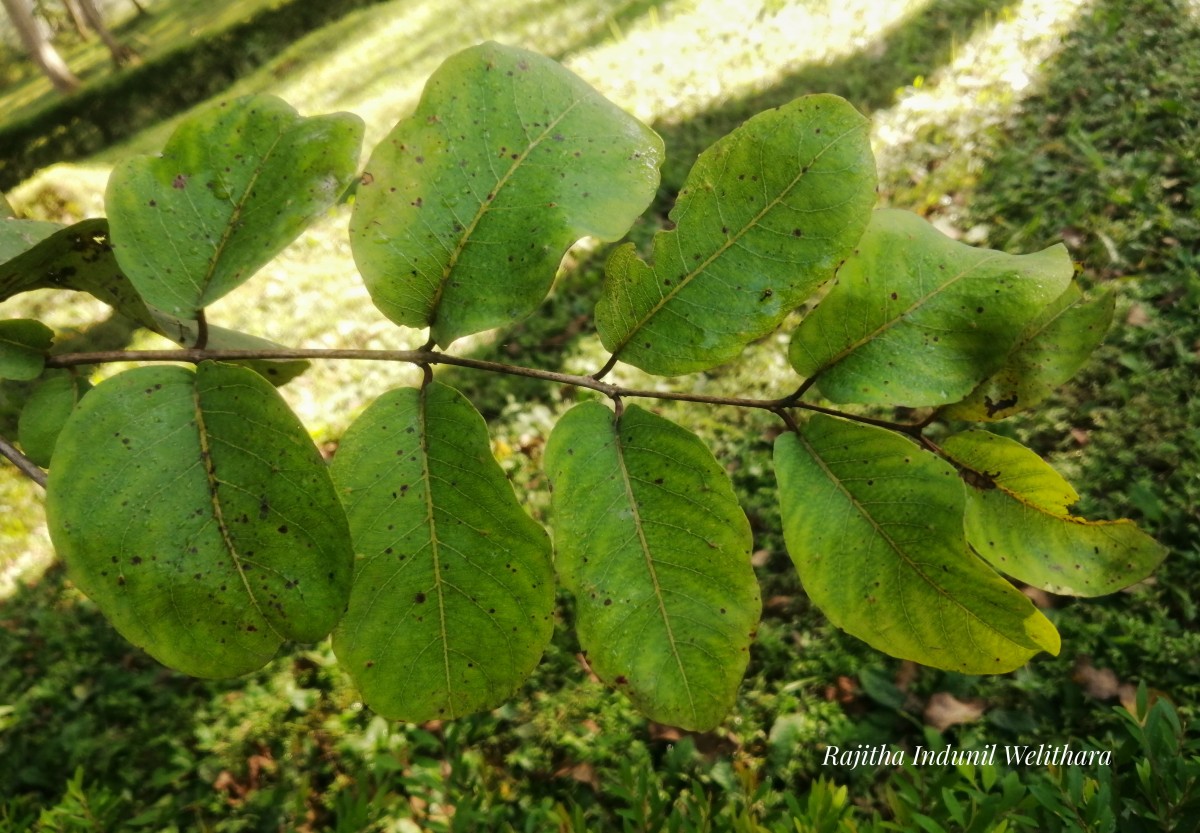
[[1016, 125]]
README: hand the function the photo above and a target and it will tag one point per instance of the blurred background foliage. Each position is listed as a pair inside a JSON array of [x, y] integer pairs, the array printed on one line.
[[1013, 124]]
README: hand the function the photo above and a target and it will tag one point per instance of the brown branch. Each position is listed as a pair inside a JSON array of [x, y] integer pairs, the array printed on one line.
[[428, 357], [26, 466]]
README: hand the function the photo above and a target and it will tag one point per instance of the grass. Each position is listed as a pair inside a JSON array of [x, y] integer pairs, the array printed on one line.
[[984, 121]]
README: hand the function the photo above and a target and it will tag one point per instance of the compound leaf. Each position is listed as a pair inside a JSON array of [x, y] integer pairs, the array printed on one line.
[[1048, 352], [23, 347], [468, 206], [874, 525], [916, 318], [765, 217], [46, 411], [232, 187], [651, 541], [194, 509], [453, 591], [1017, 519]]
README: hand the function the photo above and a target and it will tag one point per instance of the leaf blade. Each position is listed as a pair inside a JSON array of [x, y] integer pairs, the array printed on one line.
[[653, 545], [445, 553], [1048, 353], [24, 344], [917, 319], [894, 570], [468, 206], [178, 219], [46, 411], [1017, 520], [196, 512], [19, 236], [737, 220]]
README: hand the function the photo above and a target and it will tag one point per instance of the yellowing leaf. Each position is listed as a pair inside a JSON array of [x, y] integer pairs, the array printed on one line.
[[1017, 519], [874, 526]]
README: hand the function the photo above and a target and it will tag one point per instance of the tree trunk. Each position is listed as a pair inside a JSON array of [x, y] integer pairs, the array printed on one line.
[[39, 47], [121, 54], [77, 20]]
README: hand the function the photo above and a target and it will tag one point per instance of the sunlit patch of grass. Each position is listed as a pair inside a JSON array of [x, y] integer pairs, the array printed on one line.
[[943, 125], [692, 56]]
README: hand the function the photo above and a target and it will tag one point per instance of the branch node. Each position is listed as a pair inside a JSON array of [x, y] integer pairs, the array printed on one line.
[[794, 397]]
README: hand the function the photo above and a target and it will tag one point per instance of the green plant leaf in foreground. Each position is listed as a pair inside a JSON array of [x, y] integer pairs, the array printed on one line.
[[17, 236], [23, 347], [232, 187], [453, 594], [77, 257], [46, 411], [1017, 519], [874, 525], [916, 318], [194, 509], [80, 257], [765, 217], [651, 541], [468, 205], [1048, 352]]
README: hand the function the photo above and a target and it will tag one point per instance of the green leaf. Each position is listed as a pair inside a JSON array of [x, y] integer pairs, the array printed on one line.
[[454, 591], [468, 205], [1017, 519], [17, 236], [874, 525], [651, 541], [6, 209], [194, 509], [765, 217], [23, 347], [1048, 352], [45, 413], [232, 187], [77, 257], [80, 257], [916, 318]]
